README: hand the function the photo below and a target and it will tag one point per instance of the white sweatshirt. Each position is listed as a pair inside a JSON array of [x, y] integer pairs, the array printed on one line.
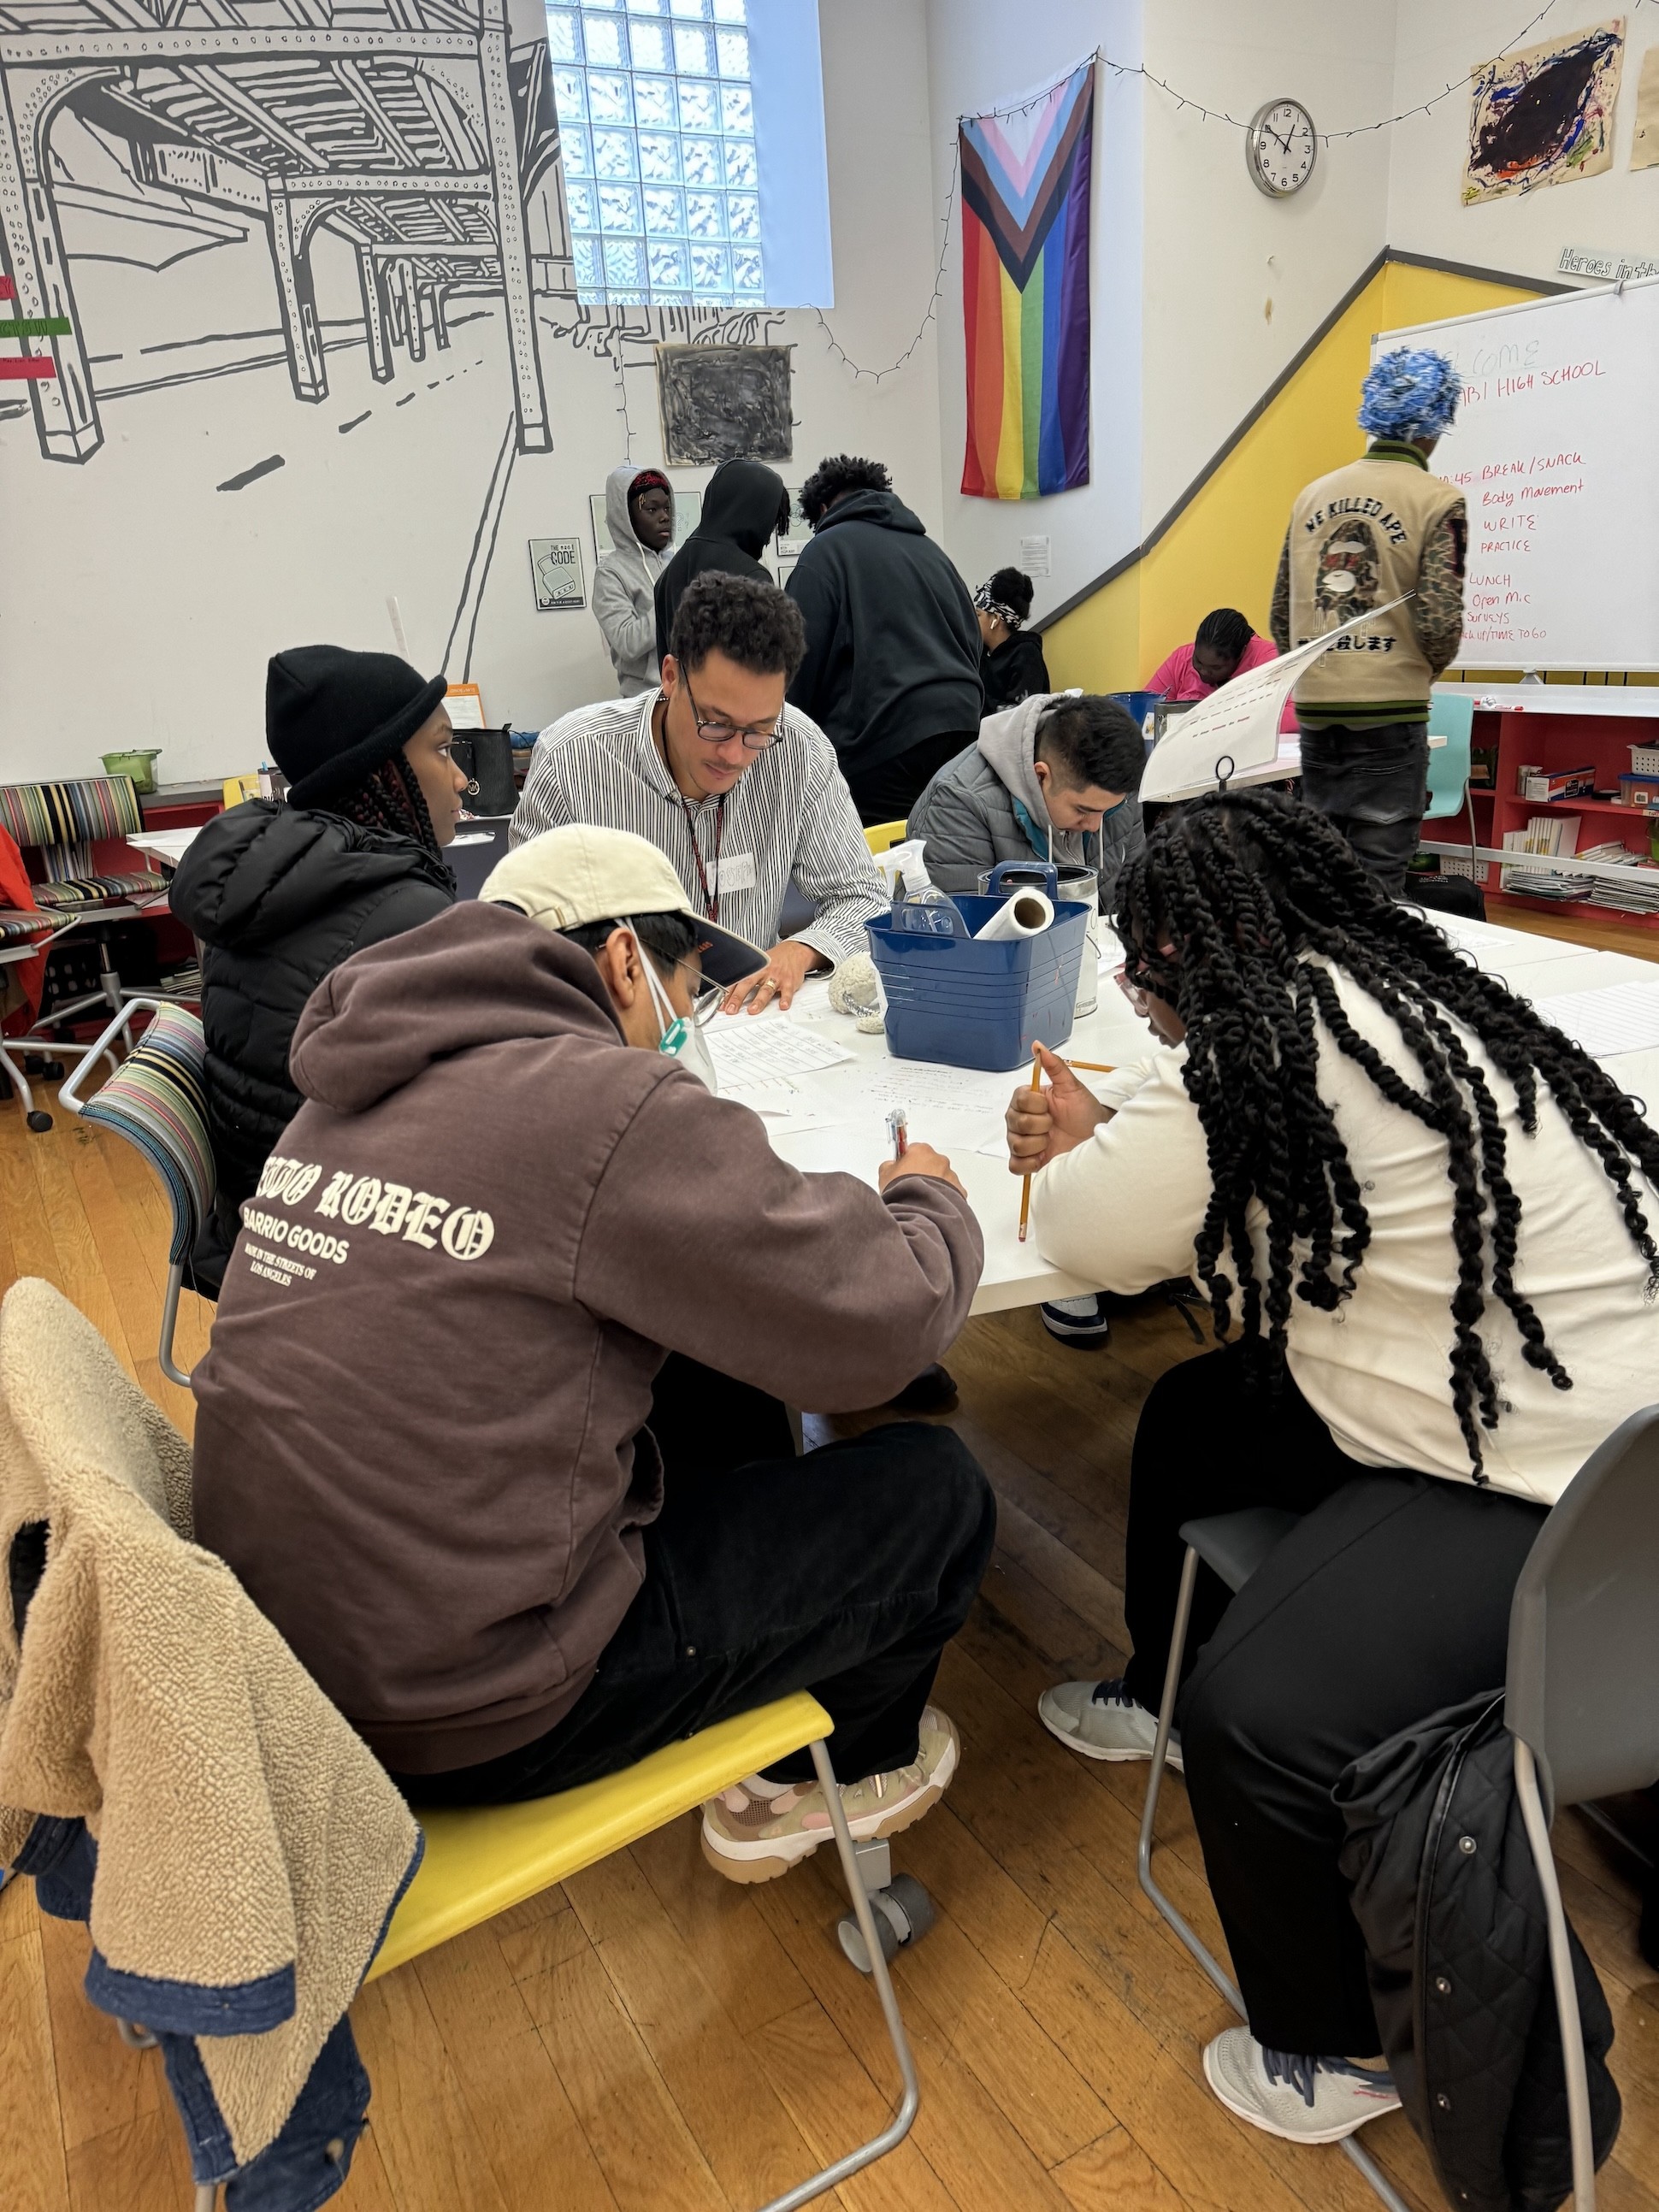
[[1124, 1210]]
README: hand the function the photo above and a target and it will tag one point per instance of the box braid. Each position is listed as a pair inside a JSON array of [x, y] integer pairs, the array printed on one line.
[[391, 800], [1216, 917]]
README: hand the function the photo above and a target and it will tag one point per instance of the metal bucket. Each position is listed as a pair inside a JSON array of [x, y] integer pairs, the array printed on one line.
[[1075, 883]]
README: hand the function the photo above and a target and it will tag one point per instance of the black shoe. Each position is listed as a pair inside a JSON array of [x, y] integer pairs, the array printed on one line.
[[933, 1391], [1081, 1321]]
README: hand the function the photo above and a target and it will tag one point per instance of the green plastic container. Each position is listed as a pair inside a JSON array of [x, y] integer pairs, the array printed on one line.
[[140, 766]]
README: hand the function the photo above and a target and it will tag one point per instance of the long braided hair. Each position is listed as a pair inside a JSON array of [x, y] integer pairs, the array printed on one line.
[[391, 799], [1216, 917]]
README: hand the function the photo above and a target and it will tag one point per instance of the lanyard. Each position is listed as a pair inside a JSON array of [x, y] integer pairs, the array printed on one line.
[[711, 902]]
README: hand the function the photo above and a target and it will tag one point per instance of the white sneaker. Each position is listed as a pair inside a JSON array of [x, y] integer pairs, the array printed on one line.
[[1103, 1721], [1077, 1321], [1315, 2100]]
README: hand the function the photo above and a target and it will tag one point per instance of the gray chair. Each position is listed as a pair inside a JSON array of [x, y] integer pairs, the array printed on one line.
[[1582, 1700]]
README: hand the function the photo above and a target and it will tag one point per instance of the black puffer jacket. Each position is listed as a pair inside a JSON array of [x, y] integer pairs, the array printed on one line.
[[279, 896], [1444, 1889]]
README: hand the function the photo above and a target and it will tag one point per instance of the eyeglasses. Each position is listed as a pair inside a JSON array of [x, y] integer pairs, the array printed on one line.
[[756, 736], [706, 998]]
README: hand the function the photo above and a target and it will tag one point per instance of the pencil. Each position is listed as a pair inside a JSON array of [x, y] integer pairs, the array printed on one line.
[[1025, 1192], [1092, 1066]]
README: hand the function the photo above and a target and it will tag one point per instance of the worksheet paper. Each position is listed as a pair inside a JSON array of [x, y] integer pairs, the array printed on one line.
[[1488, 944], [759, 1054], [1625, 1017]]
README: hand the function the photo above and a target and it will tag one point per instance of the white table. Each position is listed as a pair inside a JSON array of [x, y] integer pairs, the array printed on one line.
[[853, 1098]]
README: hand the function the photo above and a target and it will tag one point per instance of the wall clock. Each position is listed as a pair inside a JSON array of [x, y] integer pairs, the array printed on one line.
[[1281, 146]]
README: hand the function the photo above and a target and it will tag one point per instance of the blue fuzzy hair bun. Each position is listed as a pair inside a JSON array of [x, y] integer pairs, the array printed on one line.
[[1410, 393]]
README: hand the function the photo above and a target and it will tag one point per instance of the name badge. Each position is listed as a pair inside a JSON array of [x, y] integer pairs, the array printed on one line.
[[736, 872]]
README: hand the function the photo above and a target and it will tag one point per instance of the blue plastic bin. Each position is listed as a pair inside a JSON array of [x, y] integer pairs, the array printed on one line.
[[969, 1005]]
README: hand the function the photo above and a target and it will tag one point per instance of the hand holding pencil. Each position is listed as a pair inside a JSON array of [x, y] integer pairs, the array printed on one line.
[[1043, 1122]]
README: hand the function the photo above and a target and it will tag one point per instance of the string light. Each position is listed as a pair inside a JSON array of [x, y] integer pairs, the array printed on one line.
[[1182, 101]]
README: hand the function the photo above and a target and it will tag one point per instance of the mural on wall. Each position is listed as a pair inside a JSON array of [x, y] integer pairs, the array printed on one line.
[[419, 134], [285, 290], [1543, 116]]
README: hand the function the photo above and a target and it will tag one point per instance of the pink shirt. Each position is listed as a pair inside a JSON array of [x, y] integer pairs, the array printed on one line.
[[1175, 678]]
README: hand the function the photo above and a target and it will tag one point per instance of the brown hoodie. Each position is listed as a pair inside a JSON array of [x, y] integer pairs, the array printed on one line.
[[420, 1439]]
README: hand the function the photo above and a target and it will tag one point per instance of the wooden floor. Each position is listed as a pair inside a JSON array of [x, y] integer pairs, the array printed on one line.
[[653, 2039]]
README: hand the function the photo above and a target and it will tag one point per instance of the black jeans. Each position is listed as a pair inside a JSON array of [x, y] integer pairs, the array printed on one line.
[[889, 791], [845, 1573], [1374, 785], [1390, 1600]]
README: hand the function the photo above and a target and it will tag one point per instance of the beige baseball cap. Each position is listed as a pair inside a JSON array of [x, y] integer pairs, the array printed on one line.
[[583, 872]]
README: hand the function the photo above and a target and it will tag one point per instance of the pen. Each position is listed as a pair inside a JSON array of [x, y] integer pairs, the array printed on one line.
[[896, 1132], [1025, 1192]]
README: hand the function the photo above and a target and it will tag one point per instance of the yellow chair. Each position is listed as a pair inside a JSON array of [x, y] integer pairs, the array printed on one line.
[[479, 1861], [239, 787], [882, 836]]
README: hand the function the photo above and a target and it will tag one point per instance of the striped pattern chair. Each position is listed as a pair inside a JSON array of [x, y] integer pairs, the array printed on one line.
[[62, 824], [157, 1100]]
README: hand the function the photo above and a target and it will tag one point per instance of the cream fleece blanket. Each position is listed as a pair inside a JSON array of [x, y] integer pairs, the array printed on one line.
[[241, 1827]]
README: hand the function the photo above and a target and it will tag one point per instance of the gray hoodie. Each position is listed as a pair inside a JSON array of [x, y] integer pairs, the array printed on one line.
[[624, 587]]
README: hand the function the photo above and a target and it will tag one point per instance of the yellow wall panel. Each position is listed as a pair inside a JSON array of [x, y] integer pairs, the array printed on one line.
[[1222, 548]]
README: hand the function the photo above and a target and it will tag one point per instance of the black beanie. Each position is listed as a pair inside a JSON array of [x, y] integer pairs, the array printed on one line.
[[333, 716]]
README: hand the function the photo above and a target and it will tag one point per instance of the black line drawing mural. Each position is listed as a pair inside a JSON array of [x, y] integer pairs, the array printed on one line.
[[423, 132]]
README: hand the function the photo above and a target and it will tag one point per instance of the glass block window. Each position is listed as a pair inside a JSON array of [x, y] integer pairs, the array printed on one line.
[[657, 120]]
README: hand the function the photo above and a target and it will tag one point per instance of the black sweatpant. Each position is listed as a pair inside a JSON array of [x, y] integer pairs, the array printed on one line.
[[1374, 785], [846, 1571], [1389, 1601], [889, 791]]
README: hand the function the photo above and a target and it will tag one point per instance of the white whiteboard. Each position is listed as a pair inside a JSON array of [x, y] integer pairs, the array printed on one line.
[[1556, 451]]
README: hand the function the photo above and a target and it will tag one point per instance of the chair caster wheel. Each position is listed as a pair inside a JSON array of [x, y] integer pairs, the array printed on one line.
[[904, 1913], [40, 1122], [36, 1064]]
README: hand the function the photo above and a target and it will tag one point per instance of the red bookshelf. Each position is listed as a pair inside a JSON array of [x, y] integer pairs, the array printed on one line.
[[1591, 726]]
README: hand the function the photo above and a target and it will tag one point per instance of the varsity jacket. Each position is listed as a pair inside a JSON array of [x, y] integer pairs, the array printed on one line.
[[1357, 538]]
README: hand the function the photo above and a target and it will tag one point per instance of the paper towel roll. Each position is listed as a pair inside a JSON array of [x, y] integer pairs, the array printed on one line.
[[1026, 914]]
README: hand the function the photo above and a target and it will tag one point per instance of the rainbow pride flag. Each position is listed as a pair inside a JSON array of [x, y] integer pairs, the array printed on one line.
[[1025, 293]]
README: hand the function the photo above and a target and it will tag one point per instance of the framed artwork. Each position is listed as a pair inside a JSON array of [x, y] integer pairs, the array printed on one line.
[[721, 401], [556, 573], [1543, 116]]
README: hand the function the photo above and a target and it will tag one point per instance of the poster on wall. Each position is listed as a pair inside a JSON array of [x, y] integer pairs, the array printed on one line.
[[1543, 116], [1025, 180], [555, 574], [1644, 140]]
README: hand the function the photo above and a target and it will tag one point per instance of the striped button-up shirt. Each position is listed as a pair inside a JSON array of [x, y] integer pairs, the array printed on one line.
[[789, 815]]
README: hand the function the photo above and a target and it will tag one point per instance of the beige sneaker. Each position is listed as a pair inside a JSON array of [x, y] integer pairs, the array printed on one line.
[[755, 1831]]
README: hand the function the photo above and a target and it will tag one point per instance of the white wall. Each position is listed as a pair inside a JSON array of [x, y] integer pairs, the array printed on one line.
[[1236, 282], [1188, 254], [139, 603], [1616, 211], [982, 55]]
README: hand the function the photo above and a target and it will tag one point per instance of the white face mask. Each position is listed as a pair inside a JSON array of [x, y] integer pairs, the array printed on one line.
[[681, 1039]]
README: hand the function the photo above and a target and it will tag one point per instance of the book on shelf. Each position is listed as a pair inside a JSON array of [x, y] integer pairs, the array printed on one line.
[[1628, 882], [1544, 834]]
